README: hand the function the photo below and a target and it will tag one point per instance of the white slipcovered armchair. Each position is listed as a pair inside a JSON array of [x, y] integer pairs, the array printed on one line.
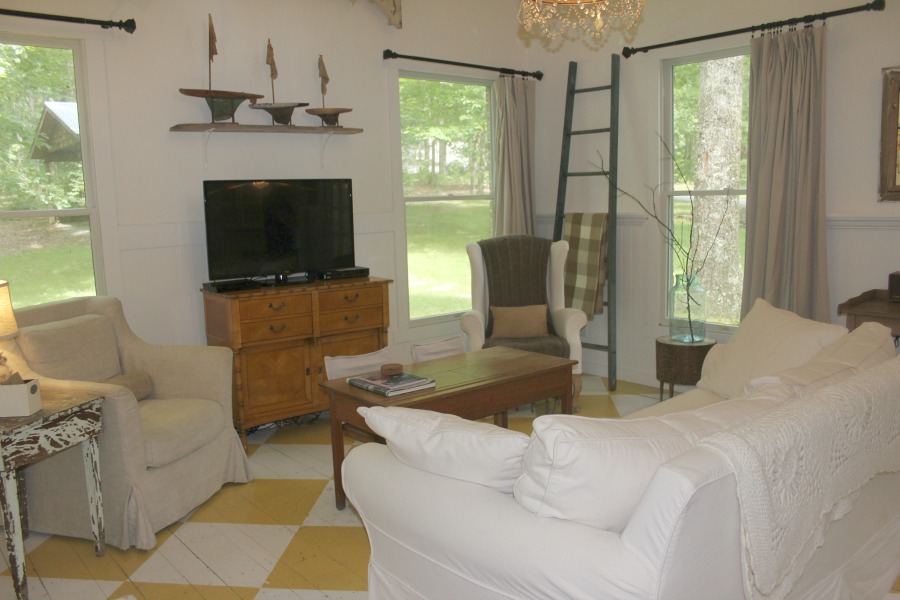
[[523, 255], [168, 442]]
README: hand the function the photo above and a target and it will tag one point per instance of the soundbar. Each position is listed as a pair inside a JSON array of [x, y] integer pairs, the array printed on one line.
[[344, 273]]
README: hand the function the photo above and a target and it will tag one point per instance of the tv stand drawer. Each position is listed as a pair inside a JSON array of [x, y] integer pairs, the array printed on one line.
[[366, 317], [351, 298], [276, 329], [275, 306]]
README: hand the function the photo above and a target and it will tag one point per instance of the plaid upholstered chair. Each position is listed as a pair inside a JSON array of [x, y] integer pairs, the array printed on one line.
[[518, 298]]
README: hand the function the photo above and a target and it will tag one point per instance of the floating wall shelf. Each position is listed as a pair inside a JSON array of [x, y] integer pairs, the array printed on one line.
[[238, 128]]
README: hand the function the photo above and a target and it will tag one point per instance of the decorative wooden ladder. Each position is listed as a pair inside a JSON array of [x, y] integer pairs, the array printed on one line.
[[610, 172]]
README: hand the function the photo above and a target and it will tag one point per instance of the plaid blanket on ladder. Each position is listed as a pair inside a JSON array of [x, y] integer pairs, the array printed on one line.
[[586, 261]]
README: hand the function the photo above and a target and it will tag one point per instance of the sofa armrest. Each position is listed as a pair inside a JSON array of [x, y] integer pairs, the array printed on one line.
[[472, 323], [447, 538], [568, 323], [180, 371], [122, 438]]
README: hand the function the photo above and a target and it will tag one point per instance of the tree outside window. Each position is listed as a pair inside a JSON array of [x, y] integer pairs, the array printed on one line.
[[708, 169], [47, 220], [447, 187]]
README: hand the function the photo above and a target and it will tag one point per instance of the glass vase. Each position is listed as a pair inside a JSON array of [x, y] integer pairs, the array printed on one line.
[[687, 310]]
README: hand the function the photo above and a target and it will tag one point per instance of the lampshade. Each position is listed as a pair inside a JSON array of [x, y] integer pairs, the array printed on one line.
[[8, 326], [571, 19]]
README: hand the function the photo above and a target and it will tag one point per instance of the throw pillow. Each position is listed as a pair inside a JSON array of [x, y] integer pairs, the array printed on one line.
[[864, 347], [83, 348], [768, 340], [519, 321], [449, 445], [137, 382], [594, 471]]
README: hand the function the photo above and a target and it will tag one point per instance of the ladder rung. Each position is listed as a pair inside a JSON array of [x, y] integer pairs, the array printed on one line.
[[587, 173], [594, 89], [585, 131], [591, 346]]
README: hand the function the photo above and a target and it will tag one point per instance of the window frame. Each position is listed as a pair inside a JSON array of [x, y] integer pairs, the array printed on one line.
[[91, 207], [430, 324], [667, 168]]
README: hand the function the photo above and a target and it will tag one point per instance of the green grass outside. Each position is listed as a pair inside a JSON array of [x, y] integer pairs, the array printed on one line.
[[45, 262], [437, 234]]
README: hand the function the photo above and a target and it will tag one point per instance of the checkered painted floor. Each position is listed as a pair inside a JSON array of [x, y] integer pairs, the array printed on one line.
[[276, 538]]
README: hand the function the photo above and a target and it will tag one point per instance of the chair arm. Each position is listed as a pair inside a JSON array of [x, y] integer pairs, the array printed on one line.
[[181, 371], [472, 323], [122, 440], [568, 323]]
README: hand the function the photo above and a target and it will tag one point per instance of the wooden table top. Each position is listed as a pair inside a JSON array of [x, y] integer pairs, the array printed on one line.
[[54, 403], [459, 374]]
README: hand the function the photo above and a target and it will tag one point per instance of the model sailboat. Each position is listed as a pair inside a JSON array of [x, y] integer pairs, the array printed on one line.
[[282, 112], [329, 116], [222, 104]]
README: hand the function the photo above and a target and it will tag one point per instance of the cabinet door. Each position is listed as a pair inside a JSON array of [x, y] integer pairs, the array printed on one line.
[[276, 382], [343, 344]]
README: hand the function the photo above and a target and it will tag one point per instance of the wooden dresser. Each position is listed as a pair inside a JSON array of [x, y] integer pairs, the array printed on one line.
[[280, 336]]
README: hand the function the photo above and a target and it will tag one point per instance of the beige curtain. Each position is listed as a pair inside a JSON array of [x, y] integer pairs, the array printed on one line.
[[514, 157], [785, 258]]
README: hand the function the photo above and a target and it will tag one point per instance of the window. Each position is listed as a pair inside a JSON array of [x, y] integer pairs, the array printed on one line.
[[447, 187], [706, 156], [48, 222]]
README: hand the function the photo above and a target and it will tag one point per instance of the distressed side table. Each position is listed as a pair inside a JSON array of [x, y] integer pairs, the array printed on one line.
[[679, 362], [65, 419]]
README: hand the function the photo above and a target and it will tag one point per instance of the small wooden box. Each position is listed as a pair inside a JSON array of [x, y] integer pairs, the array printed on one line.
[[20, 400]]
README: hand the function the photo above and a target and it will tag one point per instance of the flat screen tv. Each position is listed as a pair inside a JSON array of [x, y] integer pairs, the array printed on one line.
[[277, 228]]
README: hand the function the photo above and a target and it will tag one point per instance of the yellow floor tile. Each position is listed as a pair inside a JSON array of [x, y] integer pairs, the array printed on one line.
[[165, 591], [597, 406], [326, 558], [262, 502], [71, 558]]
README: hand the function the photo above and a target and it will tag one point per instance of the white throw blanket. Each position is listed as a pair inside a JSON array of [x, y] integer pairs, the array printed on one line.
[[800, 466]]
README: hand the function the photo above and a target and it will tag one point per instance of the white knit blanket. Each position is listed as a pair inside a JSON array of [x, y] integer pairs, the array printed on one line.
[[799, 467]]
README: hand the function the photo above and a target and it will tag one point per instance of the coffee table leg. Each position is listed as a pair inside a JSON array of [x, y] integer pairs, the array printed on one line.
[[337, 457]]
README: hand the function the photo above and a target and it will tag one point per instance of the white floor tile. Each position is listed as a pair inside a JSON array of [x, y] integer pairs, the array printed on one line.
[[272, 594], [324, 513], [292, 461], [217, 554]]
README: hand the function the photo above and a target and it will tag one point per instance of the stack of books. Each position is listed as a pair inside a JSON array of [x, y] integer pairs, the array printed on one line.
[[391, 385]]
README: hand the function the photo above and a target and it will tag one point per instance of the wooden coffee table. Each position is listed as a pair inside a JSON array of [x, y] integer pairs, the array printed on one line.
[[473, 385]]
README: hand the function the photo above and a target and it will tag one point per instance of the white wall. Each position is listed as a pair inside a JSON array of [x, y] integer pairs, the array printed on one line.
[[149, 178]]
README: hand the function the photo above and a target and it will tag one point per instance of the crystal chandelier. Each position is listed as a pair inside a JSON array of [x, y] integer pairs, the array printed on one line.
[[570, 19]]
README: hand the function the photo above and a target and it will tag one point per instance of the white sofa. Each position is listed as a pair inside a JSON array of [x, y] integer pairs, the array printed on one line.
[[742, 492]]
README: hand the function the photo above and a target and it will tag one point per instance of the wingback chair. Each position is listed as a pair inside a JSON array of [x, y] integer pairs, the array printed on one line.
[[168, 442], [519, 275]]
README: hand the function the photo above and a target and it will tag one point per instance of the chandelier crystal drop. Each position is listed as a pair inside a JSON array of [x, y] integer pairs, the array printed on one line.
[[571, 19]]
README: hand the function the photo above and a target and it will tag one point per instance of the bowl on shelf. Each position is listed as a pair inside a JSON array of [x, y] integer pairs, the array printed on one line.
[[329, 116]]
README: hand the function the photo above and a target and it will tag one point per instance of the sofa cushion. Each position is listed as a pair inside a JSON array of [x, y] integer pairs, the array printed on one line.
[[175, 427], [137, 382], [768, 340], [594, 471], [449, 445], [83, 348]]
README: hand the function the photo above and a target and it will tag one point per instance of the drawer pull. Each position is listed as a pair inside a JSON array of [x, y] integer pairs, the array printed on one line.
[[277, 308], [279, 330], [349, 299], [352, 319]]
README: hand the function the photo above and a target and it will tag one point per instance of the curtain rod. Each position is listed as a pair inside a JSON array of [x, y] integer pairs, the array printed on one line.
[[876, 5], [536, 74], [128, 25]]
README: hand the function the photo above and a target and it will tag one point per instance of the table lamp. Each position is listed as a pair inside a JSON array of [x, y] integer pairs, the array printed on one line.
[[8, 326]]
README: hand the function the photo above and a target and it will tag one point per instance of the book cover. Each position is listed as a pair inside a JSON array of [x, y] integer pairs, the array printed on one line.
[[360, 382], [391, 382]]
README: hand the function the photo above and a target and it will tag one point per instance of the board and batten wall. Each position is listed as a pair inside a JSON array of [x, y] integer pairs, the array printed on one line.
[[149, 180]]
